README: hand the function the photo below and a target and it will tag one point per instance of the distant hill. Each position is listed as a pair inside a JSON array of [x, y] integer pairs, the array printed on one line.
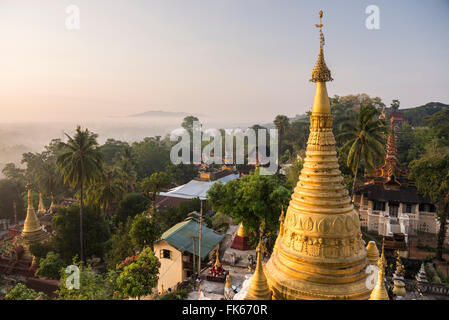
[[416, 115], [160, 114]]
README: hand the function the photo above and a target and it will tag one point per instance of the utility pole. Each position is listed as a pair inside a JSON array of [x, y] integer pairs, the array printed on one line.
[[199, 244], [193, 239]]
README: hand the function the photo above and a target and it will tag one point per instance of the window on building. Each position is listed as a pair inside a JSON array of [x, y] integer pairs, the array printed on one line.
[[165, 254], [393, 210], [432, 208], [407, 208], [379, 206]]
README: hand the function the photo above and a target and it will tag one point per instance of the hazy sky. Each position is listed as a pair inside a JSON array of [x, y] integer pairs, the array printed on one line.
[[236, 59]]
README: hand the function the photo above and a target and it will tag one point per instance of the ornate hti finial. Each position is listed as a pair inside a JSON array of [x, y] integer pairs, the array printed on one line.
[[321, 73]]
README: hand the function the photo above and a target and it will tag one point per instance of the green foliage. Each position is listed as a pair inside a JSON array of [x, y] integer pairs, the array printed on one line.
[[120, 245], [22, 292], [131, 205], [181, 173], [92, 286], [292, 173], [180, 294], [432, 179], [66, 224], [10, 193], [154, 184], [50, 267], [220, 222], [138, 277], [143, 231], [416, 115], [255, 200], [150, 156], [111, 149], [363, 138]]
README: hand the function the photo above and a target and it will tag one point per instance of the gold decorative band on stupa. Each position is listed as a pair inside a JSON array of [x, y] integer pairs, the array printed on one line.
[[321, 72]]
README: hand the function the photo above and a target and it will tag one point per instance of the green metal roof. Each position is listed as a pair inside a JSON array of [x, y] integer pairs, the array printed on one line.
[[181, 237]]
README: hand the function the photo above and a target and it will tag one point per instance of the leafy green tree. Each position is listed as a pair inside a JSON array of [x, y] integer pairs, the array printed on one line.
[[364, 139], [50, 267], [80, 162], [143, 231], [150, 156], [139, 276], [256, 200], [154, 184], [65, 225], [181, 173], [439, 124], [121, 245], [292, 173], [107, 189], [22, 292], [10, 194], [187, 123], [126, 164], [131, 205], [40, 249], [110, 149], [282, 124], [92, 286], [431, 174]]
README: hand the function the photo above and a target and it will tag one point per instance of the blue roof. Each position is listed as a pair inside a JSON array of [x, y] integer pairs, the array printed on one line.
[[181, 237]]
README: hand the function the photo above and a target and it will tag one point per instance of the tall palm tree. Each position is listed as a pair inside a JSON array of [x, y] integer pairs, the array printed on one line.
[[107, 189], [282, 124], [80, 162], [364, 137]]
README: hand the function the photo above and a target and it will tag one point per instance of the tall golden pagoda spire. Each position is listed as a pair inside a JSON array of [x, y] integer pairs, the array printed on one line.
[[258, 289], [32, 224], [319, 254], [380, 292]]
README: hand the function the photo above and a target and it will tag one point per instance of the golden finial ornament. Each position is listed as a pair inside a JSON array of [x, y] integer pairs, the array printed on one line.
[[258, 288], [321, 72], [241, 230], [217, 260], [319, 255], [380, 292]]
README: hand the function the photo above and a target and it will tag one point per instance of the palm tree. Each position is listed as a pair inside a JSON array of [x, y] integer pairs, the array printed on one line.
[[107, 189], [364, 138], [80, 162], [154, 184], [281, 123]]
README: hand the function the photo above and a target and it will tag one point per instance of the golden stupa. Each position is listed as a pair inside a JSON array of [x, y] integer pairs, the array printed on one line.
[[41, 207], [380, 292], [319, 253], [258, 288], [32, 231]]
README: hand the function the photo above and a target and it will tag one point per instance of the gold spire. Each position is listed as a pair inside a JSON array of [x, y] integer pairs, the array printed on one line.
[[380, 292], [217, 260], [372, 252], [281, 221], [258, 289], [319, 254], [199, 292], [398, 279], [31, 224], [41, 208], [241, 231]]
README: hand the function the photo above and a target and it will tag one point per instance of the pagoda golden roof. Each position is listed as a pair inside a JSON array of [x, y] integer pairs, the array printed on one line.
[[258, 288], [319, 253], [241, 230]]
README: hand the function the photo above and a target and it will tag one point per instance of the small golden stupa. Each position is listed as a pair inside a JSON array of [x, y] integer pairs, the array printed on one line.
[[319, 253], [258, 288], [41, 207], [380, 292], [32, 231]]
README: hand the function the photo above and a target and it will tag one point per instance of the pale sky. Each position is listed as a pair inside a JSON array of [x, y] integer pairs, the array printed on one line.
[[245, 59]]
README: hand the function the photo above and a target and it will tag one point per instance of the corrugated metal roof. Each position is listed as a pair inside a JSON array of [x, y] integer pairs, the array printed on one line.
[[196, 189], [181, 237]]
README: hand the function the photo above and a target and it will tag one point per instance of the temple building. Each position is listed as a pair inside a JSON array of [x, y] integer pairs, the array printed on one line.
[[388, 202], [319, 253]]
